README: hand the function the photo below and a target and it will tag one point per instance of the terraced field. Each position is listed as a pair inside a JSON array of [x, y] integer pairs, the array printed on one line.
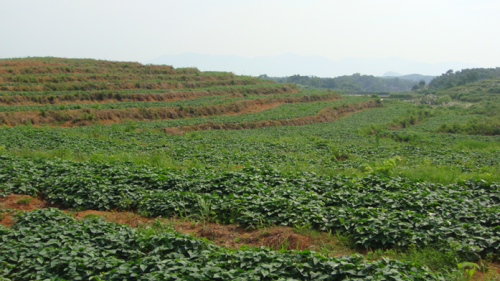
[[306, 174]]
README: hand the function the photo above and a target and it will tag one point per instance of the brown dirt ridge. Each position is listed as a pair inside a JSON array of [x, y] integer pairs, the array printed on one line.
[[112, 96], [87, 116], [325, 115], [230, 236], [128, 85], [73, 78]]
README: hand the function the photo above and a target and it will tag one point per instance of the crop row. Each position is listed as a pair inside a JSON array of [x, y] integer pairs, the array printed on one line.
[[127, 85], [205, 106], [327, 114], [71, 78], [230, 89], [34, 61], [50, 245], [67, 86], [87, 64], [173, 98], [281, 112], [198, 99], [375, 211], [312, 145], [144, 95], [145, 69]]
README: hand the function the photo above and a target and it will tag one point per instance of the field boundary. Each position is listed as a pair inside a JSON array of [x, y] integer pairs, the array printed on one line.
[[324, 115]]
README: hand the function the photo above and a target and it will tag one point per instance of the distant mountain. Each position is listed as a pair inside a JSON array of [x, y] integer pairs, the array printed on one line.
[[392, 74], [291, 64], [412, 77]]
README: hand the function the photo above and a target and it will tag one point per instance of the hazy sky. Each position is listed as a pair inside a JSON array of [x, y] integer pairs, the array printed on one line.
[[429, 31]]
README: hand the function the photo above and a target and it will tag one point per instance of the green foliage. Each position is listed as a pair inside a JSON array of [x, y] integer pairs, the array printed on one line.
[[478, 145], [438, 259], [350, 83], [381, 178], [73, 250], [130, 127], [287, 148], [91, 216], [485, 92], [255, 92], [375, 211], [443, 99], [373, 130], [451, 79], [24, 200], [480, 126], [419, 86], [469, 267], [383, 167], [413, 117]]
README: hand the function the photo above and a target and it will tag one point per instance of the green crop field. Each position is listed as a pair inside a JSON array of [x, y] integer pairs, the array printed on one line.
[[408, 185]]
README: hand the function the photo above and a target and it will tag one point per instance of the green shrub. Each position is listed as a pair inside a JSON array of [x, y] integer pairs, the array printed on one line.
[[444, 99]]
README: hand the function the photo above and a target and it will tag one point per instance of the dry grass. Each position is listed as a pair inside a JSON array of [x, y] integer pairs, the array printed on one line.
[[87, 116], [325, 115], [226, 235]]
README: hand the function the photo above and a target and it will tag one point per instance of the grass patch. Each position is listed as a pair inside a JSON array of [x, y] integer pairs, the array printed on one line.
[[24, 200], [331, 244], [477, 145], [91, 216], [447, 174], [436, 259]]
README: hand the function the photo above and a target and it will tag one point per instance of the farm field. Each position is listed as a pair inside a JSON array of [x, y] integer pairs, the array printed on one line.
[[375, 189]]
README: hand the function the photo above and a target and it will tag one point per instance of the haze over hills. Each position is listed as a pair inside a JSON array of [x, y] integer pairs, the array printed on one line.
[[290, 64], [412, 77]]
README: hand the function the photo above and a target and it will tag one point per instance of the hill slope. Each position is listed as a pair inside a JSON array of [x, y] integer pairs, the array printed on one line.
[[182, 147]]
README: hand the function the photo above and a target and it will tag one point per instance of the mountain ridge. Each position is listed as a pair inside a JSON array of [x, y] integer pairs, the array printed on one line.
[[413, 77], [289, 64]]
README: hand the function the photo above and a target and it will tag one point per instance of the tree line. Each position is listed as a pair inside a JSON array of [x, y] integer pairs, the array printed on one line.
[[355, 83], [452, 79]]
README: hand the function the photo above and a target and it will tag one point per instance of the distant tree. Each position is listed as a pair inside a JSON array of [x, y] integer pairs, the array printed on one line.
[[444, 99], [329, 82], [472, 77], [449, 84], [421, 84], [315, 82], [350, 83]]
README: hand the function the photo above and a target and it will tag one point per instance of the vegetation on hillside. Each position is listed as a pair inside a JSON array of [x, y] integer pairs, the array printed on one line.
[[355, 83], [461, 77], [412, 185]]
